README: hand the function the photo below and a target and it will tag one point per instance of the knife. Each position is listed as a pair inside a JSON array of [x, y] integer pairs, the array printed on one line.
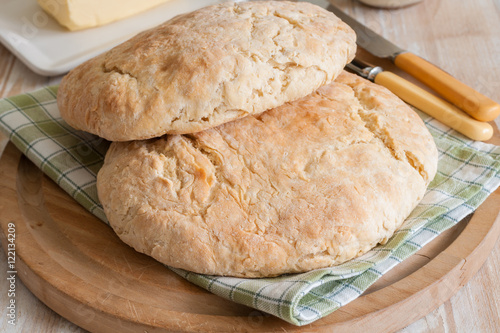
[[464, 97], [434, 106]]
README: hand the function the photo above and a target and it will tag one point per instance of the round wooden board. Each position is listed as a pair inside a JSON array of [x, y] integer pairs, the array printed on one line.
[[78, 267]]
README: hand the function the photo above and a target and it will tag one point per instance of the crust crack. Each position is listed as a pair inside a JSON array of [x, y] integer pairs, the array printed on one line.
[[417, 165], [212, 158], [116, 69], [381, 133]]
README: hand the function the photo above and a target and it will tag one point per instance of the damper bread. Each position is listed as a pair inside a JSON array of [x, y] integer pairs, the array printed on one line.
[[205, 68]]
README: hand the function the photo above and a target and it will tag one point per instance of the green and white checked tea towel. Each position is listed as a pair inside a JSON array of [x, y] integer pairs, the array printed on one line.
[[468, 172]]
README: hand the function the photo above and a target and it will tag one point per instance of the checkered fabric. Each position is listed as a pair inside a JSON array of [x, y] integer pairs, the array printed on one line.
[[468, 172]]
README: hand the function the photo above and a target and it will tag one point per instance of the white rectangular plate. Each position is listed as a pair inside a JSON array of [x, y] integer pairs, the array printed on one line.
[[49, 49]]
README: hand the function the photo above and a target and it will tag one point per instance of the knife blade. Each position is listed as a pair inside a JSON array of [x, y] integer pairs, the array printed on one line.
[[464, 97], [423, 100]]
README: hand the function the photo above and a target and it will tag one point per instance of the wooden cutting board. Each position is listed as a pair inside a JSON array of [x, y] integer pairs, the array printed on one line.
[[76, 265]]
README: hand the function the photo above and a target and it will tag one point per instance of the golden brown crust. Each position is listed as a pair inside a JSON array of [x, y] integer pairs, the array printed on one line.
[[310, 184], [205, 68]]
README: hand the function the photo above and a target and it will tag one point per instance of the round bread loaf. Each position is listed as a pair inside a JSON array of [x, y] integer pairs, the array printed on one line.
[[206, 68], [310, 184]]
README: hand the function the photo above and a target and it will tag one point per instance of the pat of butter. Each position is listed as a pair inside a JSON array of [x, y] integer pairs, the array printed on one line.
[[82, 14]]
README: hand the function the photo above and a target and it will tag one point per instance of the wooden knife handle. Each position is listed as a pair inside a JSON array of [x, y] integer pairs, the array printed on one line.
[[435, 107], [464, 97]]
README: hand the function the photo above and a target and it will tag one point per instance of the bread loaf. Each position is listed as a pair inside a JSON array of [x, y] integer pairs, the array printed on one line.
[[205, 68]]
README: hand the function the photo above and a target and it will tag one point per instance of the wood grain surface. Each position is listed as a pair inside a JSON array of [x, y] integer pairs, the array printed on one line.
[[462, 39]]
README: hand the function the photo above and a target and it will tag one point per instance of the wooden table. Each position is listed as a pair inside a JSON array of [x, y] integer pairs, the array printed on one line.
[[461, 38]]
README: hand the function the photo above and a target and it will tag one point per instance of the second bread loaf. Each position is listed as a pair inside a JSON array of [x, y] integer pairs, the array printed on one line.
[[206, 68]]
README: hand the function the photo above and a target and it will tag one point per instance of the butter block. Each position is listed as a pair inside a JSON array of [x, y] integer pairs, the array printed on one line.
[[82, 14]]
